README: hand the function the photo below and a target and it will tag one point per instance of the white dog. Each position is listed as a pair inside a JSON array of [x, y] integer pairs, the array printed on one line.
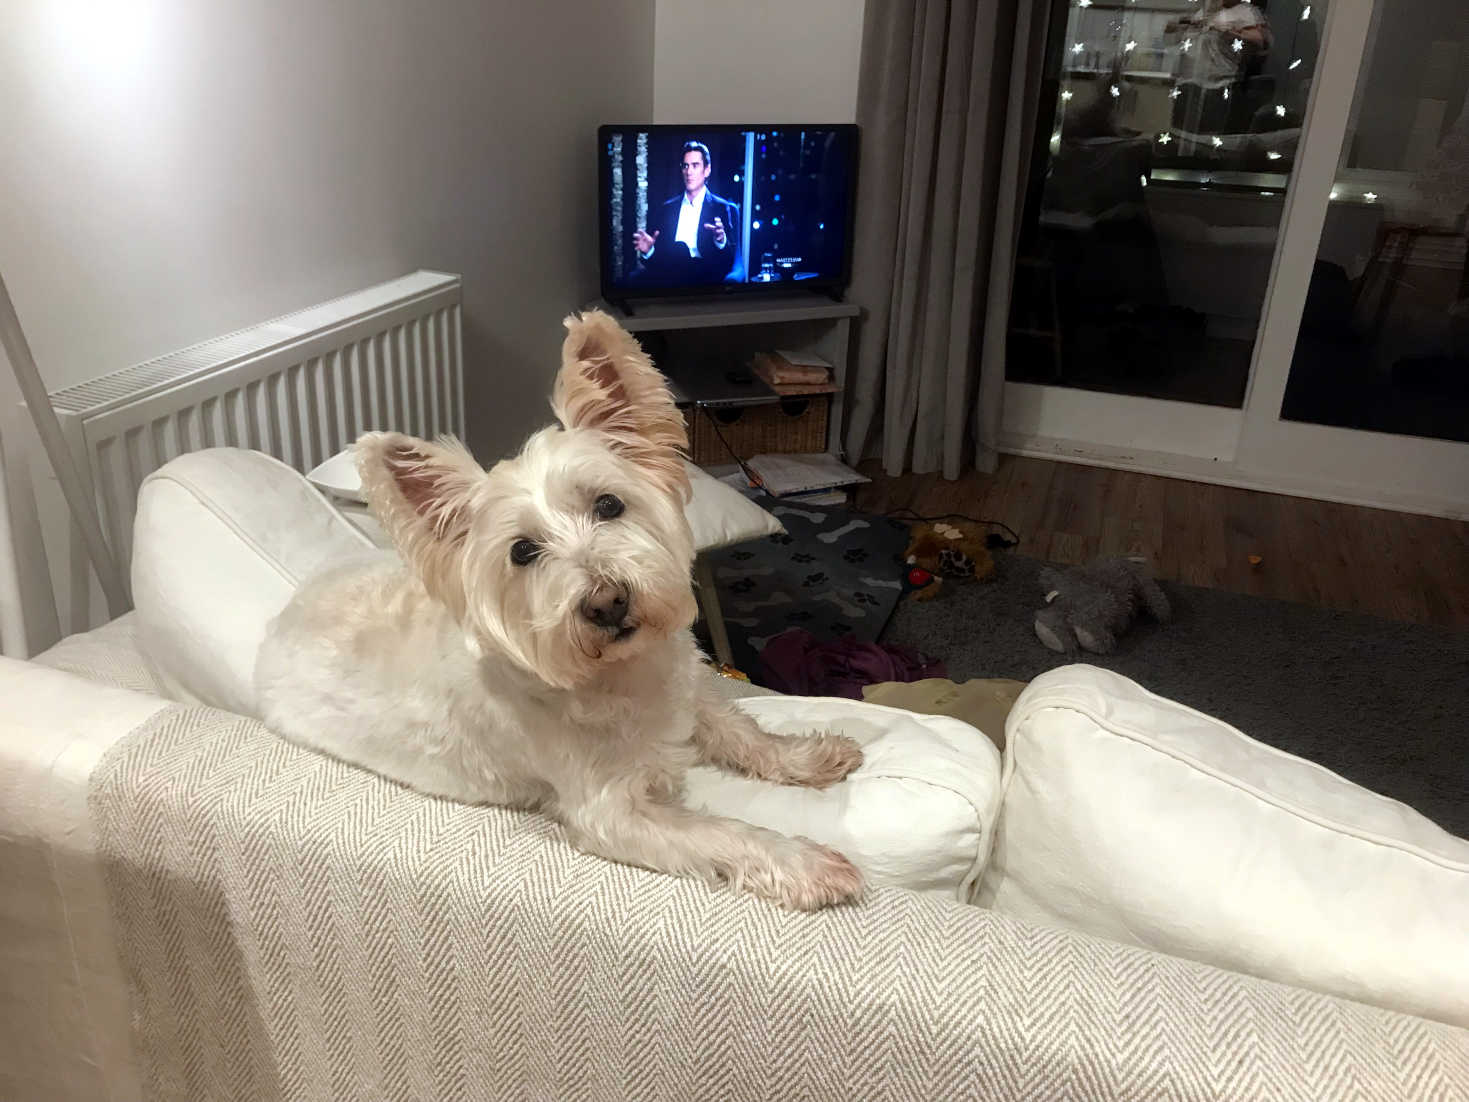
[[531, 646]]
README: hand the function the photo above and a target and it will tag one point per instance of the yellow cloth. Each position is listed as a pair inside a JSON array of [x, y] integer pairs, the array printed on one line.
[[981, 702]]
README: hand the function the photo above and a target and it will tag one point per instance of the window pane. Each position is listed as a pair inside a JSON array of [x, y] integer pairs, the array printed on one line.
[[1384, 341], [1157, 193]]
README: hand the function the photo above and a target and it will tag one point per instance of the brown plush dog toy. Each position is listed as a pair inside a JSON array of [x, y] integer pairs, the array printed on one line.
[[948, 549]]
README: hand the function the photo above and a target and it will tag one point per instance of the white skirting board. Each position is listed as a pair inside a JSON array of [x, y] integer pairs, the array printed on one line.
[[1224, 472]]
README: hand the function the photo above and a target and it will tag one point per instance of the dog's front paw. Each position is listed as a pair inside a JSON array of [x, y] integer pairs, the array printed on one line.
[[806, 877], [820, 760]]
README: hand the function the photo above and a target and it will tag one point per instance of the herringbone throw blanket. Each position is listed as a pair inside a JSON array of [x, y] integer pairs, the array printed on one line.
[[294, 928]]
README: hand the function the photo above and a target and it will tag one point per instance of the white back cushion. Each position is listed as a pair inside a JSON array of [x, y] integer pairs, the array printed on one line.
[[1141, 820], [221, 540]]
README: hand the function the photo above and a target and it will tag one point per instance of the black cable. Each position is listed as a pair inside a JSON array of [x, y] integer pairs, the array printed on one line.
[[750, 476]]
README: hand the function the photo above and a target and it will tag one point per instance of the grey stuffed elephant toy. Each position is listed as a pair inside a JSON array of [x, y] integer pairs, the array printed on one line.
[[1090, 606]]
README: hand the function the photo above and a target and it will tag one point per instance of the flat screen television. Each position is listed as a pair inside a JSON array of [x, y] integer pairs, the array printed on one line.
[[708, 210]]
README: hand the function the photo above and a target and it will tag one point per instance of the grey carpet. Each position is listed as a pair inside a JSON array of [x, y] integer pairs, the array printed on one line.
[[1382, 703]]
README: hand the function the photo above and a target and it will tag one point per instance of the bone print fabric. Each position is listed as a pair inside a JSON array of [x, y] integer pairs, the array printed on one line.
[[833, 572]]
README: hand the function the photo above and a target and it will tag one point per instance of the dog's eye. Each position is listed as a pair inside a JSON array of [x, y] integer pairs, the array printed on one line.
[[524, 552], [607, 507]]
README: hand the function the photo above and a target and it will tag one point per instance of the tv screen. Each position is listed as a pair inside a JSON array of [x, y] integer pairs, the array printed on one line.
[[711, 209]]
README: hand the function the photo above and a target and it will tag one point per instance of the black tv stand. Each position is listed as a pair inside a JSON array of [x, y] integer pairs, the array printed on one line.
[[729, 298], [703, 312]]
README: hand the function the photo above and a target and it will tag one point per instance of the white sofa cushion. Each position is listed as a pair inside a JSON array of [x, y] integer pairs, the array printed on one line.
[[919, 812], [1141, 820], [719, 515], [223, 537], [221, 540]]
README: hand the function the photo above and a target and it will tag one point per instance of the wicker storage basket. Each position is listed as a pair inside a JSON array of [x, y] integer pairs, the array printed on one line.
[[792, 425]]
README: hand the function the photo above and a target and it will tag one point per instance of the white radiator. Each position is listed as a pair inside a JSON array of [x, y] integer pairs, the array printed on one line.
[[300, 387]]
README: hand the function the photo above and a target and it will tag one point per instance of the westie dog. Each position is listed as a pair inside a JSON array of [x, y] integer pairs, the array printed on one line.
[[531, 647]]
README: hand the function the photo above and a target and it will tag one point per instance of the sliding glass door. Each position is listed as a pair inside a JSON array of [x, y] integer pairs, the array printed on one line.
[[1361, 387], [1243, 256]]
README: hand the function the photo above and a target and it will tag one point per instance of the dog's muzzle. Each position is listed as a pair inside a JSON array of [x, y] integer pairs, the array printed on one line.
[[607, 607]]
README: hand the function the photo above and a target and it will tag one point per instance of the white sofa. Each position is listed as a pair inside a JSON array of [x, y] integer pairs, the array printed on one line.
[[195, 909]]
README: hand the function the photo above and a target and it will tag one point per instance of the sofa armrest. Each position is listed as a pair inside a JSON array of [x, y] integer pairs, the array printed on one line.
[[54, 727], [62, 992]]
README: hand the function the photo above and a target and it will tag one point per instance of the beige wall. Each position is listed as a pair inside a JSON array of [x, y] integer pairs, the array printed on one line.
[[175, 169], [756, 60]]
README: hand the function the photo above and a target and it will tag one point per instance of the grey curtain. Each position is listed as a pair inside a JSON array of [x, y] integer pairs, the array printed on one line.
[[947, 105]]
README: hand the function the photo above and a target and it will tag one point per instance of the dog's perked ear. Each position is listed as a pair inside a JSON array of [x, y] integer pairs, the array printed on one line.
[[422, 494], [607, 383]]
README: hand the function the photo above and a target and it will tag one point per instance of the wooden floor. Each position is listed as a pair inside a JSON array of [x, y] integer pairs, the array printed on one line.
[[1397, 565]]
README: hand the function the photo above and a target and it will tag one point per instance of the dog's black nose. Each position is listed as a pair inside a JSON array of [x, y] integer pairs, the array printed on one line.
[[606, 607]]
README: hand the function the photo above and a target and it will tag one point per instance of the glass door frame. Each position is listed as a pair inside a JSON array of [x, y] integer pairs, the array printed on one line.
[[1413, 473], [1253, 446]]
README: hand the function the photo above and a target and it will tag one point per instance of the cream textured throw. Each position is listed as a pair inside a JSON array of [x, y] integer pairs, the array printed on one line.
[[294, 928]]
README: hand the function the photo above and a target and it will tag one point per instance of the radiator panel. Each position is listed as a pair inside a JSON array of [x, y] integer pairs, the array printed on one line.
[[300, 387]]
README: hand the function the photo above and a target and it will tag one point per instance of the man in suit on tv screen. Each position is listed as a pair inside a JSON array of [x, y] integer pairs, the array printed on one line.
[[694, 237]]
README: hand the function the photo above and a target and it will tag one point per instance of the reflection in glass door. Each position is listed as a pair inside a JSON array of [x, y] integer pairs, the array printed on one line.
[[1288, 263], [1156, 196], [1383, 343]]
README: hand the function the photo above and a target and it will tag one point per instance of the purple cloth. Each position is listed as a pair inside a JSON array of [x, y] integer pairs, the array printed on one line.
[[796, 662]]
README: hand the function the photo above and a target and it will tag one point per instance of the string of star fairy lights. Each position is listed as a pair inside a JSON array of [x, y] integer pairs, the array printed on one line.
[[1121, 42]]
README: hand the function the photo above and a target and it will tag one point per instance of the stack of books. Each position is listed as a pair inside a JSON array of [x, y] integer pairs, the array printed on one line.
[[818, 477], [792, 373]]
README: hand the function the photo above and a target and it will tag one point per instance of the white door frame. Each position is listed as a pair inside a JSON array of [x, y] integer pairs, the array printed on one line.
[[1398, 471], [1253, 447]]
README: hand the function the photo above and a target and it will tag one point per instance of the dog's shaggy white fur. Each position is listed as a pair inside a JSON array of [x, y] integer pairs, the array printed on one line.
[[531, 647]]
